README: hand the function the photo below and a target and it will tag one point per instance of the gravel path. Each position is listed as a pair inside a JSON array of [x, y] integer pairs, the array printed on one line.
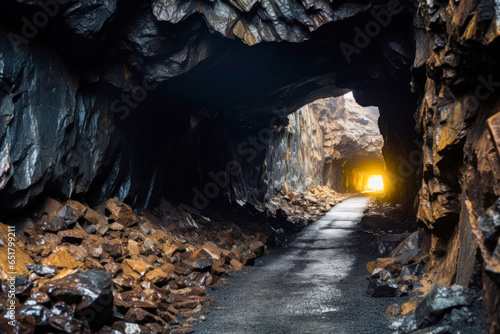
[[315, 285]]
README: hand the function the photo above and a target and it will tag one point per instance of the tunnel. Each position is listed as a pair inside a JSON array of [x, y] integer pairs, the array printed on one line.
[[155, 146], [363, 175]]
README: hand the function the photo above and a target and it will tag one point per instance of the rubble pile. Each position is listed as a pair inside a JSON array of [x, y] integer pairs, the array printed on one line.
[[399, 274], [401, 271], [402, 254], [113, 270], [303, 208], [443, 310]]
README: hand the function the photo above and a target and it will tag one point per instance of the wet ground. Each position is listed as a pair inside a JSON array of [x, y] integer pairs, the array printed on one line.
[[315, 285]]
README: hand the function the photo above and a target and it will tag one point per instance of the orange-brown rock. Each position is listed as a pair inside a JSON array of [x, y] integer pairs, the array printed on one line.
[[393, 311], [147, 264], [214, 251], [256, 247], [121, 212], [237, 265], [116, 226], [78, 208], [15, 261], [171, 249], [136, 266], [391, 264], [157, 276], [168, 317], [93, 217], [370, 266], [114, 247], [62, 259], [50, 205], [409, 306]]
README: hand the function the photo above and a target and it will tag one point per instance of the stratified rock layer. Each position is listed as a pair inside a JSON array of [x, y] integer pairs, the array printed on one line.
[[456, 72]]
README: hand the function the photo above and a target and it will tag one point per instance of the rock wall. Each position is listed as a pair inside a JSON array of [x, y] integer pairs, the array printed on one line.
[[349, 131], [456, 71], [294, 154]]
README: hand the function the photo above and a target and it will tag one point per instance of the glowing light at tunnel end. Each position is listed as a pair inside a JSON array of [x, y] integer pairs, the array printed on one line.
[[375, 183]]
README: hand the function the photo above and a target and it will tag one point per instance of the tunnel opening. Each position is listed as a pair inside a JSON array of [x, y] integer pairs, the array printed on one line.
[[196, 116], [364, 175]]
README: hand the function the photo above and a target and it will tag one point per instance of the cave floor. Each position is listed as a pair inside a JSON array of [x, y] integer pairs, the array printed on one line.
[[315, 285]]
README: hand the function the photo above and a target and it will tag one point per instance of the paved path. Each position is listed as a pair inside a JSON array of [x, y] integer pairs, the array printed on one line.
[[313, 286]]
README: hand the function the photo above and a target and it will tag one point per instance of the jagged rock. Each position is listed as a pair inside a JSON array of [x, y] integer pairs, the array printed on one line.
[[405, 324], [387, 243], [393, 311], [41, 270], [415, 269], [408, 248], [73, 236], [461, 316], [377, 288], [63, 260], [59, 135], [392, 265], [157, 276], [93, 289], [381, 273], [236, 264], [92, 153], [440, 300], [135, 267], [198, 264], [120, 213], [295, 155], [39, 312], [409, 306], [490, 225], [22, 257], [140, 316]]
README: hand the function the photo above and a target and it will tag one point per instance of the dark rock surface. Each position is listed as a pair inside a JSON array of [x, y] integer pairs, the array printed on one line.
[[438, 301], [94, 291], [80, 120], [294, 154]]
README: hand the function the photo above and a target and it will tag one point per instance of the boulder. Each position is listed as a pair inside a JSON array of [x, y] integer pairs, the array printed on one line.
[[91, 290], [489, 224], [440, 300], [408, 248], [377, 288]]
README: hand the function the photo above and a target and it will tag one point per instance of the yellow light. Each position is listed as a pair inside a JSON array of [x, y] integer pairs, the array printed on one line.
[[375, 183]]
